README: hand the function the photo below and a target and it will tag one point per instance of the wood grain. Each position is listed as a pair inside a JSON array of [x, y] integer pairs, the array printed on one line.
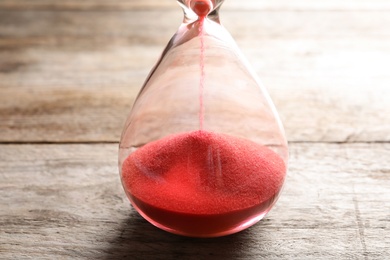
[[70, 71], [153, 27], [66, 201], [77, 73], [275, 5]]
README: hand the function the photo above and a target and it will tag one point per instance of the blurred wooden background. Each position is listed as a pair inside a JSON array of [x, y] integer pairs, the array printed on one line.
[[70, 70]]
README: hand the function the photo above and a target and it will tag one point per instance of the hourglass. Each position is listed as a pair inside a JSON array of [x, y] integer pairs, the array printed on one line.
[[203, 152]]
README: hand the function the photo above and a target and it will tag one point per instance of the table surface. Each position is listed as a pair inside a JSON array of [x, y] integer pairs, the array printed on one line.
[[69, 73]]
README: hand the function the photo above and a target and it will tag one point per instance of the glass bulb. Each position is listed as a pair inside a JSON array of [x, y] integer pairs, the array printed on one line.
[[203, 152]]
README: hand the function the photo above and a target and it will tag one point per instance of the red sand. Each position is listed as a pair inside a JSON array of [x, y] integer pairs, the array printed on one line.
[[202, 74], [202, 181], [200, 7]]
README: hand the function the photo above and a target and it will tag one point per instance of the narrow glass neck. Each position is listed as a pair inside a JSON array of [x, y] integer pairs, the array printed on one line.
[[199, 9]]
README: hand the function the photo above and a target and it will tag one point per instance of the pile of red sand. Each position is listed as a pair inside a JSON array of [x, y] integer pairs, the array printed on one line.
[[199, 174]]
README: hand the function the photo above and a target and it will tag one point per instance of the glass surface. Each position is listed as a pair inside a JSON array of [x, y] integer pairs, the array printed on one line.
[[203, 152]]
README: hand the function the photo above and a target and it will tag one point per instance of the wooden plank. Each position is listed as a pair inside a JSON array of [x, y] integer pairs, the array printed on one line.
[[26, 28], [313, 5], [72, 77], [98, 115], [87, 96], [66, 201]]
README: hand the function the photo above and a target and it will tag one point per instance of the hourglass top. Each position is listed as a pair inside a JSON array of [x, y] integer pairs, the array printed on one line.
[[195, 9]]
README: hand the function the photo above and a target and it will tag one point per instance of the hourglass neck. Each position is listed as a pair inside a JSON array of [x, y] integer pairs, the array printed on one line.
[[199, 9]]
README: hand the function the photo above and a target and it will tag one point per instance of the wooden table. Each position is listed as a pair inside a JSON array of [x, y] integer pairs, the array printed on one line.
[[69, 72]]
